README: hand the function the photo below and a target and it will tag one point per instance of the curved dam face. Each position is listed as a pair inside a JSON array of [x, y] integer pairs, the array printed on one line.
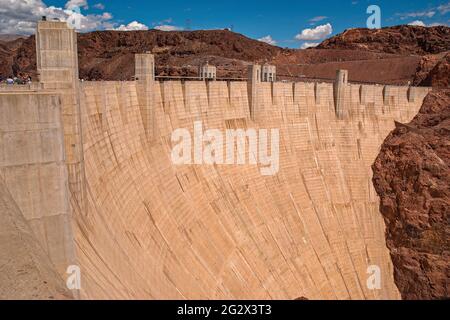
[[156, 230], [139, 226]]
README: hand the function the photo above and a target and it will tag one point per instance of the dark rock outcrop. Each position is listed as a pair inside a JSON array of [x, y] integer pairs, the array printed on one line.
[[412, 178], [439, 76], [426, 64]]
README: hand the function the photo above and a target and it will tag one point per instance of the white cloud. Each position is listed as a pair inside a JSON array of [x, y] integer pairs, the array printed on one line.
[[419, 14], [317, 33], [444, 8], [418, 23], [77, 3], [317, 19], [99, 6], [307, 45], [106, 16], [428, 13], [132, 26], [20, 16], [268, 39], [437, 24], [167, 27], [165, 21]]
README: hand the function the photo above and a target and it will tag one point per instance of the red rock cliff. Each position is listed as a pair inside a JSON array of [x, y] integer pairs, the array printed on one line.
[[412, 177]]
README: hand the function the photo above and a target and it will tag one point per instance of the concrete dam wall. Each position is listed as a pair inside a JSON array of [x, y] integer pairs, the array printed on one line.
[[89, 166]]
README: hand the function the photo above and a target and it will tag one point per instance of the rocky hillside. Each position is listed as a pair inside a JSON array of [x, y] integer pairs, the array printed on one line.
[[405, 40], [432, 44], [412, 178], [107, 54], [10, 37], [396, 55]]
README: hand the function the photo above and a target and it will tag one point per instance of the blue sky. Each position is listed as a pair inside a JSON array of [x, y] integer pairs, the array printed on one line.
[[279, 21]]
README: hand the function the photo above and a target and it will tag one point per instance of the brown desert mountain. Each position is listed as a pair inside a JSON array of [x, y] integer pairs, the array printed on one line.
[[432, 44], [404, 40], [395, 55]]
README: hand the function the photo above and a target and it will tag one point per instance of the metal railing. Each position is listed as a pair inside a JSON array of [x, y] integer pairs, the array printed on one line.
[[197, 78]]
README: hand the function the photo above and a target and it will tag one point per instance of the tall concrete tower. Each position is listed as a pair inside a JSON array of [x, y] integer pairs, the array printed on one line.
[[339, 92], [145, 67], [269, 73], [207, 72], [57, 66], [145, 77], [254, 78], [56, 54]]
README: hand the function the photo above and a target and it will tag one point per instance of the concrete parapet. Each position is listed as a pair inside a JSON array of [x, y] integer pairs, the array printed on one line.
[[192, 98], [35, 86], [417, 93], [394, 95]]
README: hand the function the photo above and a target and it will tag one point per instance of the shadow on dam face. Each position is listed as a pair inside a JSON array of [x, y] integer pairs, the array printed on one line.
[[89, 167]]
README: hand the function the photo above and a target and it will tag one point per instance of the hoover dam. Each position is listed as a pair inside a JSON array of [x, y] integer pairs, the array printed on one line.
[[87, 181]]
